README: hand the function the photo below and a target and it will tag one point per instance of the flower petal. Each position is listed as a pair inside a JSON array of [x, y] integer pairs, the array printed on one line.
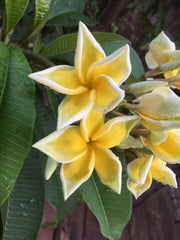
[[163, 174], [62, 79], [77, 172], [74, 108], [151, 62], [51, 166], [165, 104], [108, 94], [167, 150], [90, 123], [64, 145], [138, 190], [115, 130], [108, 167], [138, 169], [159, 125], [116, 66], [88, 51], [158, 48]]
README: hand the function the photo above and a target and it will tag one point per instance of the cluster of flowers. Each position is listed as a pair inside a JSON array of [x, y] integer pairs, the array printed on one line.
[[93, 89]]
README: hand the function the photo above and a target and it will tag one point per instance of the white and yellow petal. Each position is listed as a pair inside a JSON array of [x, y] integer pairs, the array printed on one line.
[[163, 174], [64, 145], [138, 169], [51, 166], [168, 149], [150, 61], [74, 108], [62, 79], [108, 167], [159, 125], [114, 131], [161, 104], [90, 123], [116, 66], [108, 94], [75, 173], [88, 51], [158, 48], [136, 189]]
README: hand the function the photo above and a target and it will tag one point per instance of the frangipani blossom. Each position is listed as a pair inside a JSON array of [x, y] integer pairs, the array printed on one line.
[[159, 110], [81, 149], [165, 145], [162, 50], [142, 170], [93, 82]]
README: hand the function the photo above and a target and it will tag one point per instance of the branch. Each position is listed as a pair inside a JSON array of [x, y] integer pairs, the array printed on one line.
[[38, 59]]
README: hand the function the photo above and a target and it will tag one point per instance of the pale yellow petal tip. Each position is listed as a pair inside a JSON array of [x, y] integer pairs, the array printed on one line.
[[51, 166]]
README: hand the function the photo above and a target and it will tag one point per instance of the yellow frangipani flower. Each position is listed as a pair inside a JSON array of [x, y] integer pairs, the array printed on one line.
[[159, 110], [93, 82], [165, 145], [81, 149], [142, 170], [162, 50]]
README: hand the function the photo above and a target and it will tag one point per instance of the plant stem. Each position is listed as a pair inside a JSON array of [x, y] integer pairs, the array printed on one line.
[[129, 106], [38, 59]]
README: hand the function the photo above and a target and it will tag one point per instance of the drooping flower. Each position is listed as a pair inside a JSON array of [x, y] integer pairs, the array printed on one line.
[[142, 170], [165, 145], [81, 149], [162, 50], [93, 82], [159, 110]]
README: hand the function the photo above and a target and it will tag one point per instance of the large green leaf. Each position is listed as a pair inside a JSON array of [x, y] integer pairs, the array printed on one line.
[[41, 9], [111, 209], [14, 11], [4, 61], [17, 115], [71, 18], [67, 44], [22, 212], [61, 6]]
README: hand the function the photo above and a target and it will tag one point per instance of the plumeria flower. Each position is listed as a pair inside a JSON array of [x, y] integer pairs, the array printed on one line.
[[159, 110], [162, 50], [142, 170], [93, 82], [81, 149], [165, 145]]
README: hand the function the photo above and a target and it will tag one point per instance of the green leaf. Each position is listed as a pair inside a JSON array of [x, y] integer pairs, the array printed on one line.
[[45, 121], [70, 19], [53, 101], [4, 61], [22, 212], [111, 209], [17, 115], [67, 44], [14, 11], [137, 66], [61, 6], [54, 195], [41, 9]]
